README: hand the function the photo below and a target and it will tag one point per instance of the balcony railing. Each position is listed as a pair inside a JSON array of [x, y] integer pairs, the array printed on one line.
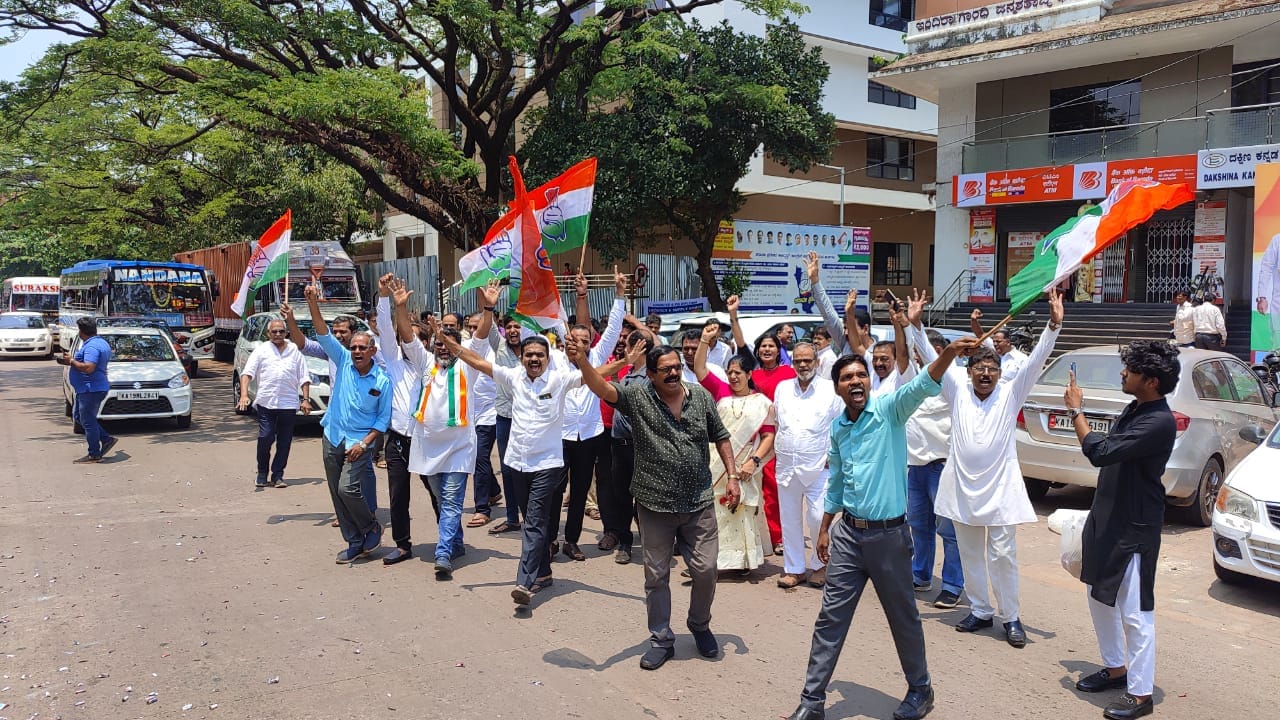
[[1228, 127]]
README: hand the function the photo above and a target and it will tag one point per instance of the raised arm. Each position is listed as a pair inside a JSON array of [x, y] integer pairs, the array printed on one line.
[[603, 350], [403, 323], [975, 322], [488, 296], [312, 293], [1030, 371], [739, 339], [709, 335], [830, 318], [591, 377], [853, 328], [901, 351], [296, 336], [582, 309], [387, 333]]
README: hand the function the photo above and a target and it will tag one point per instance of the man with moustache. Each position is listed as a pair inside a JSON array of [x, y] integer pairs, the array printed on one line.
[[981, 488], [805, 406], [1012, 359], [868, 489], [673, 424], [282, 378]]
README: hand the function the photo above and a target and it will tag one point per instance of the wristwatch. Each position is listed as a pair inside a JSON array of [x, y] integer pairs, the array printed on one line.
[[360, 444], [1073, 412], [491, 308]]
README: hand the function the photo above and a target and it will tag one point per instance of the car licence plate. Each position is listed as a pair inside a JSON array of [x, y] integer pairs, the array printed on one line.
[[1063, 422], [134, 395]]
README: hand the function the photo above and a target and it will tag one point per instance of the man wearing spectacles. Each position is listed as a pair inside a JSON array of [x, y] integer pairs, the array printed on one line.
[[359, 412], [282, 377]]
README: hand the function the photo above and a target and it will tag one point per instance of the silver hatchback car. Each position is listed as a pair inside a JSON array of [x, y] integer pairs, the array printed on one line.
[[1217, 395]]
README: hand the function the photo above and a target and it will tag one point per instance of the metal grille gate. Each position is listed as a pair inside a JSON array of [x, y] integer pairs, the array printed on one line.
[[1113, 262], [1169, 242]]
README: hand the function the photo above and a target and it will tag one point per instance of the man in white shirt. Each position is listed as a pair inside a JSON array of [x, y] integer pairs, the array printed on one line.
[[981, 488], [482, 398], [535, 451], [1268, 288], [282, 378], [586, 446], [688, 349], [805, 406], [1210, 327], [826, 356], [1183, 322]]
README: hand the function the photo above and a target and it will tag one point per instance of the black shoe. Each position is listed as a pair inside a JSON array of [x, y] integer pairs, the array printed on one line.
[[804, 713], [1128, 707], [397, 555], [1014, 633], [973, 623], [444, 570], [656, 657], [917, 703], [922, 587], [1099, 681], [261, 482], [87, 460], [107, 445], [946, 600], [706, 642]]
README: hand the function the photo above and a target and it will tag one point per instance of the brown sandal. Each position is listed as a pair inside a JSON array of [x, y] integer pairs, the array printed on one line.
[[478, 520]]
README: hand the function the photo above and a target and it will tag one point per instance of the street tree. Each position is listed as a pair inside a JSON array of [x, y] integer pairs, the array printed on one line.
[[358, 79], [675, 115]]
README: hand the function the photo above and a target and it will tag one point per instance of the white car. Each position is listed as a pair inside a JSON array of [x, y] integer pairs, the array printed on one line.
[[24, 334], [253, 333], [147, 379], [1246, 516]]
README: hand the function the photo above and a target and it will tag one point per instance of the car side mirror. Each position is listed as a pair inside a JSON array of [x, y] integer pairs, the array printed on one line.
[[1253, 433]]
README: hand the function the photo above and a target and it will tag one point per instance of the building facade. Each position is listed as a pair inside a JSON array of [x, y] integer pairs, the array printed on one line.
[[1043, 106]]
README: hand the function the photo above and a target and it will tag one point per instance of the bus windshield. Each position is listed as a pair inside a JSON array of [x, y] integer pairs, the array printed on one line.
[[334, 288], [161, 292], [35, 302]]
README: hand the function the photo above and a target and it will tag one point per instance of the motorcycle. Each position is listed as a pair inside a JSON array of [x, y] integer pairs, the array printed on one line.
[[1268, 372]]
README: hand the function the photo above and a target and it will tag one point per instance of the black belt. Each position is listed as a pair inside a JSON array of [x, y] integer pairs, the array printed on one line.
[[622, 441], [939, 461], [862, 524]]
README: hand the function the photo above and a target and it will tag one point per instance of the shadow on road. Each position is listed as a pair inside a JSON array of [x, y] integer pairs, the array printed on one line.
[[1251, 594], [685, 650], [858, 700]]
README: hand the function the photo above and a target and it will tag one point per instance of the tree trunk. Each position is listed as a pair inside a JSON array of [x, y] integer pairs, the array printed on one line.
[[709, 286]]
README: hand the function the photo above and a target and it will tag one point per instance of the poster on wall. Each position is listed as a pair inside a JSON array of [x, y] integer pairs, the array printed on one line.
[[1265, 335], [982, 256], [774, 256], [1022, 249], [1209, 252]]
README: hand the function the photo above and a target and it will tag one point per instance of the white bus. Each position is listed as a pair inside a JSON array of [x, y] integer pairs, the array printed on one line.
[[35, 294]]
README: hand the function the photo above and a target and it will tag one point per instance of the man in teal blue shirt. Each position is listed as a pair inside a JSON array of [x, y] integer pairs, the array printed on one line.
[[358, 413], [868, 488]]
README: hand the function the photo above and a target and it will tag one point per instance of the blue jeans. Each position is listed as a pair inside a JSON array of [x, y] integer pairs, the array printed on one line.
[[485, 484], [275, 427], [451, 488], [514, 486], [922, 490], [86, 410]]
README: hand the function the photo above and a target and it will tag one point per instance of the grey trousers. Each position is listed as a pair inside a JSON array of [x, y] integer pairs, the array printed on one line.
[[884, 558], [355, 519], [700, 541]]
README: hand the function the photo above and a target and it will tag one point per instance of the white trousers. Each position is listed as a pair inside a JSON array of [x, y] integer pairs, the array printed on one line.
[[990, 555], [799, 506], [1127, 634]]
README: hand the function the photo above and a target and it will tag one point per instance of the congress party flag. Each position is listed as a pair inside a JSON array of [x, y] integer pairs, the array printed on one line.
[[268, 263], [1078, 240]]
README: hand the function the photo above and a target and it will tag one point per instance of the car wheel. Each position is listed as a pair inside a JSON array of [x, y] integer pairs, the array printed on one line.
[[235, 395], [1230, 577], [182, 421], [1200, 511], [69, 410], [1036, 489]]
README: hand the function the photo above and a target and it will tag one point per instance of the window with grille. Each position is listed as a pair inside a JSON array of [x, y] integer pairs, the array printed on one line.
[[891, 264], [890, 158]]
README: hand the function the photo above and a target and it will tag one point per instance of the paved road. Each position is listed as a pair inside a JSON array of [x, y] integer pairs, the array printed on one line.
[[163, 571]]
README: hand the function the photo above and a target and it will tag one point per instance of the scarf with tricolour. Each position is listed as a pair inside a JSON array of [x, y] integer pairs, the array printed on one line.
[[455, 384]]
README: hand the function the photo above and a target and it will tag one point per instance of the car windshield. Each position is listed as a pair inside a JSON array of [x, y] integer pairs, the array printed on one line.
[[137, 322], [21, 322], [139, 348], [1098, 372]]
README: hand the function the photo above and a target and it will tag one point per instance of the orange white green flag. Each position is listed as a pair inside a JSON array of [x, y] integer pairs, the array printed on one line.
[[1078, 240], [268, 263]]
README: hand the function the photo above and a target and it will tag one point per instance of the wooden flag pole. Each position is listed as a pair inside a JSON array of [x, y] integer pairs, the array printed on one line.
[[992, 331], [582, 259]]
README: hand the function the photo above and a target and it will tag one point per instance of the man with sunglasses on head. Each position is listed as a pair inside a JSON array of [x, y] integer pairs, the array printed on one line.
[[282, 377], [359, 411]]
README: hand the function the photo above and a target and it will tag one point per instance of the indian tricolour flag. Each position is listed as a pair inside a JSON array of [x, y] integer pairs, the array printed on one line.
[[562, 208], [1078, 240], [268, 263]]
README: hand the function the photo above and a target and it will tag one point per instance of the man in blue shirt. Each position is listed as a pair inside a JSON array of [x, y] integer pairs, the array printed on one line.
[[88, 377], [359, 412], [868, 487]]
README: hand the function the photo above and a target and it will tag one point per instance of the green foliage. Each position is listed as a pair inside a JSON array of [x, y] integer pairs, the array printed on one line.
[[736, 279], [675, 114]]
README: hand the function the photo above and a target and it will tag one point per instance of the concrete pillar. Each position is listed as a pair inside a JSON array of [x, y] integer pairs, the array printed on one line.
[[956, 110]]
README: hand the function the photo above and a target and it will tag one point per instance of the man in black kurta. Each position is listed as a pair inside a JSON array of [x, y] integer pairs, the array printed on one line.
[[1121, 539]]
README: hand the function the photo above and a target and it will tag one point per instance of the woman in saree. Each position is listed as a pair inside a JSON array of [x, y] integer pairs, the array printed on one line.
[[748, 416]]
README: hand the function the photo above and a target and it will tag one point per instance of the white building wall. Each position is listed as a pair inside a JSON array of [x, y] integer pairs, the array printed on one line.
[[951, 224]]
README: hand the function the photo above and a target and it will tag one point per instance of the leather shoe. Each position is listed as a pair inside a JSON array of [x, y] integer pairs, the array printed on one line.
[[656, 657], [706, 642], [1128, 707], [608, 542], [1099, 681], [805, 713], [398, 555], [973, 623], [1014, 633], [917, 703]]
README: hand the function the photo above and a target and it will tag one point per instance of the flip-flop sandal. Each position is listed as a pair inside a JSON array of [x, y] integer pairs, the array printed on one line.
[[503, 527], [478, 520], [542, 584]]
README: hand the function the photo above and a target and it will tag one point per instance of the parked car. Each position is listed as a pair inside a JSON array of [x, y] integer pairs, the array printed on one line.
[[24, 334], [1217, 395], [1246, 516], [147, 380], [184, 357], [254, 332]]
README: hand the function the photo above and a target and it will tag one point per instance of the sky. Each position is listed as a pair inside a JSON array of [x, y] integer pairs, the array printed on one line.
[[18, 56]]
